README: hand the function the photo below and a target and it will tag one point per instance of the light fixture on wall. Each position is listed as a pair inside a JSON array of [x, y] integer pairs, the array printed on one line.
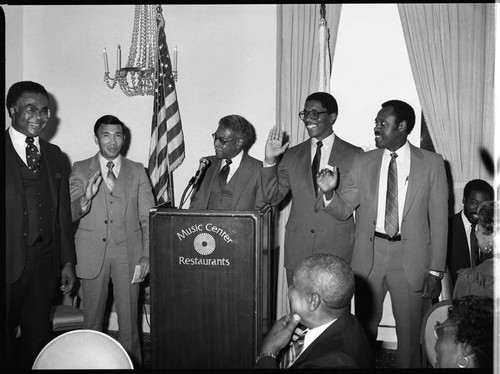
[[138, 76]]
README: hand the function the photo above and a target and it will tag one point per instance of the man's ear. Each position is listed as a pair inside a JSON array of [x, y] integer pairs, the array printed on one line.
[[239, 143], [402, 126], [11, 111], [333, 117], [314, 302], [96, 140]]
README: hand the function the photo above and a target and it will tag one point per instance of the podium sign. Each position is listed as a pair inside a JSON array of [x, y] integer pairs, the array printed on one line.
[[207, 292]]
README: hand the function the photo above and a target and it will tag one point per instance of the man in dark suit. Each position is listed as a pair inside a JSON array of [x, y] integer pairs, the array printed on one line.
[[320, 297], [232, 179], [112, 239], [309, 228], [39, 238], [403, 251], [462, 247]]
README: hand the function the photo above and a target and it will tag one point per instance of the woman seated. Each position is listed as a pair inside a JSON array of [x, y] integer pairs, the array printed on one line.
[[465, 339], [479, 279]]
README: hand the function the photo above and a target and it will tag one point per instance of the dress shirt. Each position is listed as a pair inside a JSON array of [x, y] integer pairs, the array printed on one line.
[[326, 149], [235, 164], [19, 143], [313, 334], [104, 168], [467, 232], [403, 163]]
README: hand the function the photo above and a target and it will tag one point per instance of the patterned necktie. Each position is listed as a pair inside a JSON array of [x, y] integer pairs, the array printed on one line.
[[315, 165], [474, 255], [391, 203], [224, 172], [293, 351], [111, 178], [32, 155]]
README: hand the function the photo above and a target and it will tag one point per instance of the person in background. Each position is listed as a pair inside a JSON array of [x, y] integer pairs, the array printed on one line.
[[400, 195], [112, 239], [465, 339], [462, 247], [232, 178], [39, 244], [479, 280], [320, 298], [309, 228]]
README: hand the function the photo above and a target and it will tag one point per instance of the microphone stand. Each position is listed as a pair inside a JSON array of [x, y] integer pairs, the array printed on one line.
[[184, 197]]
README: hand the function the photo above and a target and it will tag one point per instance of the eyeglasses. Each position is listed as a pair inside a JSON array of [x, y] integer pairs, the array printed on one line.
[[222, 140], [312, 114], [439, 326], [31, 111]]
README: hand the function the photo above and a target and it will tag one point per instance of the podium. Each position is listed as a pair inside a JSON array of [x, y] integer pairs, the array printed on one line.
[[212, 288]]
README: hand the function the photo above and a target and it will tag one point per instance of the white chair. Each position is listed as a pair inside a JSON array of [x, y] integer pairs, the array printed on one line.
[[437, 313], [83, 349]]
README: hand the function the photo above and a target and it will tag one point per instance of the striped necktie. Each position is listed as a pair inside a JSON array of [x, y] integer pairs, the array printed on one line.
[[294, 350], [111, 178], [391, 225]]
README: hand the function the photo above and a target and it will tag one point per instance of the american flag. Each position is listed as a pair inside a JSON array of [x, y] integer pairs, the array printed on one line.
[[166, 149]]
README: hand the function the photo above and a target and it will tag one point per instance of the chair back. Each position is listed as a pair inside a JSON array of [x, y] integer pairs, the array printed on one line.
[[438, 312], [83, 349]]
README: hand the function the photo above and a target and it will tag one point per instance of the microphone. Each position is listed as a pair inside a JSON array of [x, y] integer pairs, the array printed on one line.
[[204, 163]]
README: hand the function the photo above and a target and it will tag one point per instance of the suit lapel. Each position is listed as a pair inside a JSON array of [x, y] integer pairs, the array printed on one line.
[[374, 177], [124, 180], [242, 176], [50, 163], [13, 170], [415, 177]]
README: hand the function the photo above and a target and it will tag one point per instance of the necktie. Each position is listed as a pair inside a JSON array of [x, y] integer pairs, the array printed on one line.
[[111, 178], [391, 203], [32, 155], [315, 165], [293, 351], [474, 255], [224, 172]]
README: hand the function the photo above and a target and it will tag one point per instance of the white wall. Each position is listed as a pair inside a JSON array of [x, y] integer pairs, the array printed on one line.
[[227, 64]]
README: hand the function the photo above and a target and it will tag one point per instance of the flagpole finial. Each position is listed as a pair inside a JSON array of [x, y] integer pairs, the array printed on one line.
[[322, 10]]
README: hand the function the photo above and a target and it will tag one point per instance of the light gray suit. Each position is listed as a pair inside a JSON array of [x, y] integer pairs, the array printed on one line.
[[309, 229], [424, 228], [133, 198]]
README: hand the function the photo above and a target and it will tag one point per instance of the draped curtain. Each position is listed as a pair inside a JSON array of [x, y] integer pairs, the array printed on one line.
[[297, 77], [452, 53]]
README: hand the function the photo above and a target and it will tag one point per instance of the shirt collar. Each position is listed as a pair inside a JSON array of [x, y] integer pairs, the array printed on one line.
[[403, 151], [19, 139], [312, 334], [117, 161], [235, 161], [326, 141]]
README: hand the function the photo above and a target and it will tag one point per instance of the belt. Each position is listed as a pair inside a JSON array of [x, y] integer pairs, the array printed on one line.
[[396, 238]]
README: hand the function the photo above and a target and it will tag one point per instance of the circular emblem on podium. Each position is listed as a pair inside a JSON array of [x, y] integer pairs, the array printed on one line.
[[204, 244]]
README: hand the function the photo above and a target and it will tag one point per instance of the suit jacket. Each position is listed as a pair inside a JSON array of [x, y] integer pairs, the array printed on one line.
[[92, 228], [247, 194], [342, 345], [424, 225], [16, 223], [458, 250], [309, 228]]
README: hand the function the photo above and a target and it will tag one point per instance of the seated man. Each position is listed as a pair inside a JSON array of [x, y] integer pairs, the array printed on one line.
[[320, 297]]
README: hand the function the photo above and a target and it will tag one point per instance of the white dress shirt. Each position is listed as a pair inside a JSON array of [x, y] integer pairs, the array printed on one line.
[[403, 164], [235, 164], [19, 143], [313, 334]]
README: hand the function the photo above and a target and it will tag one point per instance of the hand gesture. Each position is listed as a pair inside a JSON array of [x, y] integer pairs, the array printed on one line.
[[274, 147], [93, 185], [280, 334], [68, 278], [328, 180], [432, 287], [144, 264]]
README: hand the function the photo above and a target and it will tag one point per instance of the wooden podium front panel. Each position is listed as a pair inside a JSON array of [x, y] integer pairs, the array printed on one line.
[[204, 289]]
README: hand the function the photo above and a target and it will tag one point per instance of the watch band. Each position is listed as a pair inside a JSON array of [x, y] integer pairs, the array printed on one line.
[[438, 274]]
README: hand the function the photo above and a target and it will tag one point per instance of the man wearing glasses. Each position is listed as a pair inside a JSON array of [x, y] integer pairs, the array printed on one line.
[[39, 245], [309, 229], [232, 179]]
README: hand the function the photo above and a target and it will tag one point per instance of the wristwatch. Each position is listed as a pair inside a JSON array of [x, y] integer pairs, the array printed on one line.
[[266, 354], [438, 274]]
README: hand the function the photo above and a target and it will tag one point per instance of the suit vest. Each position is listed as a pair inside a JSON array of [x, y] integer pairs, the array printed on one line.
[[37, 195], [222, 199], [115, 201]]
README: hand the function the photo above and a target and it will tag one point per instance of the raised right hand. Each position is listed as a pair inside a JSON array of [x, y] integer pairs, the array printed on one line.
[[93, 185], [274, 147]]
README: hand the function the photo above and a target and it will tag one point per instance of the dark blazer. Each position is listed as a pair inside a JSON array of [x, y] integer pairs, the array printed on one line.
[[342, 345], [309, 228], [16, 223], [458, 250], [247, 194]]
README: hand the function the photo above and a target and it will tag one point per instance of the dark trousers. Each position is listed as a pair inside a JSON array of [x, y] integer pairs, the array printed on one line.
[[29, 301]]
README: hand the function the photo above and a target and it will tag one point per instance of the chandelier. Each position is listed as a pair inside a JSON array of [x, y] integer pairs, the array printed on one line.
[[138, 75]]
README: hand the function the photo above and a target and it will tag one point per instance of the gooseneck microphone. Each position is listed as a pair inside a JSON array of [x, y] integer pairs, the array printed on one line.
[[204, 163]]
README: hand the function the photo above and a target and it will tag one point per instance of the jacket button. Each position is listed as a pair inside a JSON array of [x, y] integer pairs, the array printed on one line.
[[316, 210], [105, 222], [103, 239], [312, 231]]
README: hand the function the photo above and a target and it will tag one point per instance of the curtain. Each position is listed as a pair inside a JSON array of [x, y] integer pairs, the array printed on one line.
[[297, 76], [452, 53]]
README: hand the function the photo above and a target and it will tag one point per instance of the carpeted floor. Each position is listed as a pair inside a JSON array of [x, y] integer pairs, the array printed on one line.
[[385, 358]]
